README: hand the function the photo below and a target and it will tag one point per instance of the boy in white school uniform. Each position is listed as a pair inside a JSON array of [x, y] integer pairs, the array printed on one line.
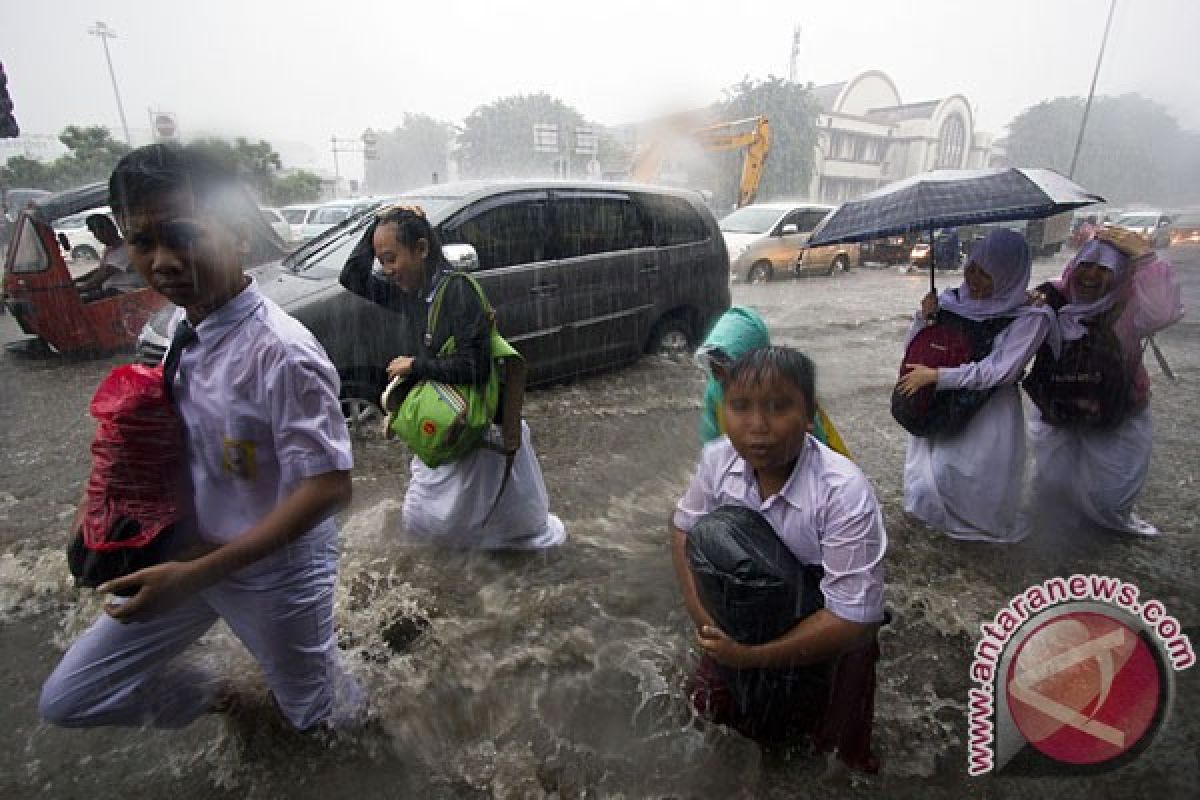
[[269, 460]]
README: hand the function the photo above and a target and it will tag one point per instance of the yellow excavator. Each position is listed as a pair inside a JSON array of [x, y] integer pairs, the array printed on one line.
[[752, 133]]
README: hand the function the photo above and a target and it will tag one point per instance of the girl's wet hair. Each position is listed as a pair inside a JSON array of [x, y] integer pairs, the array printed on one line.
[[412, 226], [765, 364]]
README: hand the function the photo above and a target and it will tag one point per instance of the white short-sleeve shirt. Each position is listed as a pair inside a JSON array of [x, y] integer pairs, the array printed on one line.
[[259, 400], [126, 278], [826, 513]]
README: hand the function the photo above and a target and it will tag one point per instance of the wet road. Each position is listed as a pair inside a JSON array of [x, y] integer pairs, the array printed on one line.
[[560, 675]]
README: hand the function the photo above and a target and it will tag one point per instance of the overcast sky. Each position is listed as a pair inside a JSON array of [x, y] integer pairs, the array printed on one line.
[[302, 71]]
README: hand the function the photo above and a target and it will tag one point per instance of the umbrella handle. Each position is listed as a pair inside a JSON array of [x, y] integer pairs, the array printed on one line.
[[932, 265]]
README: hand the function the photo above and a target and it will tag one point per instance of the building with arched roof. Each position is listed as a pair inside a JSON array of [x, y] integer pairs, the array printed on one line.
[[867, 137]]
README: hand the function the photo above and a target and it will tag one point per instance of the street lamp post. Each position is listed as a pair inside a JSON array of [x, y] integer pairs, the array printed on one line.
[[104, 33]]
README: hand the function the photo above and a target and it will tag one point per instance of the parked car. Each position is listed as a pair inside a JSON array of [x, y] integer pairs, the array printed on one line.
[[949, 250], [329, 215], [766, 239], [277, 222], [888, 250], [1185, 228], [297, 216], [1154, 225], [583, 276]]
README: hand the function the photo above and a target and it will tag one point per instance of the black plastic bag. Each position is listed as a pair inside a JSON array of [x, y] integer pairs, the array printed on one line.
[[91, 567], [746, 577]]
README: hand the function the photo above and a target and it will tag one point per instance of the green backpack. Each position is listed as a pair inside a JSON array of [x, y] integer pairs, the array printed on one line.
[[442, 422]]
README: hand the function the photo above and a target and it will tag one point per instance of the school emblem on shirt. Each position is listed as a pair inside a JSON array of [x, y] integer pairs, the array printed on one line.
[[237, 458]]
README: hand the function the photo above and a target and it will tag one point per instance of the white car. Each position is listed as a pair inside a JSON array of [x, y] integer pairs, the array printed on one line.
[[297, 216], [331, 214], [76, 240], [278, 224], [1154, 225]]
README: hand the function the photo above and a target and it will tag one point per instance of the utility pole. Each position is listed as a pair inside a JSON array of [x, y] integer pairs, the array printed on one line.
[[792, 64], [104, 33], [1088, 107]]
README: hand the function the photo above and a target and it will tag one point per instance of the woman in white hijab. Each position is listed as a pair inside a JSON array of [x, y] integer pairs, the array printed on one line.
[[1098, 470], [968, 484]]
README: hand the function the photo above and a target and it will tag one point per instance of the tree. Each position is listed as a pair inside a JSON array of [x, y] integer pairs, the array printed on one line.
[[256, 163], [1133, 149], [92, 154], [300, 186], [792, 113], [410, 155], [27, 172], [497, 139]]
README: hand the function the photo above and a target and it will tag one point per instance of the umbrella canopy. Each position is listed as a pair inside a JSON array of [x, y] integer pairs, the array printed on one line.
[[946, 198]]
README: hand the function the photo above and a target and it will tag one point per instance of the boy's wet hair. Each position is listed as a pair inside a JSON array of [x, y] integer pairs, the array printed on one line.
[[150, 172], [776, 363], [412, 226]]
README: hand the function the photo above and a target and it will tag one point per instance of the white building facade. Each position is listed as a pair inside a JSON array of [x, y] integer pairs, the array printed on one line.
[[867, 137]]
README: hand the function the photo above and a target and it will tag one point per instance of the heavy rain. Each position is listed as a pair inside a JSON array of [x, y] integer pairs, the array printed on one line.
[[615, 177]]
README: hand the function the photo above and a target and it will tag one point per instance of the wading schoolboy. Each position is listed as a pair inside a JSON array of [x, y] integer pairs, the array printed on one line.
[[825, 512], [269, 459]]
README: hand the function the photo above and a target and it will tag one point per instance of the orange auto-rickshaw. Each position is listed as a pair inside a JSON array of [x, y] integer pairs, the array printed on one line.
[[41, 295]]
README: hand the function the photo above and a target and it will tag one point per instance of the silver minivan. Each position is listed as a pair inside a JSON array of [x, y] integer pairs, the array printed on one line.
[[583, 276]]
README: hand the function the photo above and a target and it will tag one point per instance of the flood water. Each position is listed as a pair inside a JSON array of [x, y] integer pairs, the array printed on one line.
[[560, 675]]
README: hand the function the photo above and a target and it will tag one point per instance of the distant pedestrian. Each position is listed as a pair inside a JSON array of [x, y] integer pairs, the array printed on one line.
[[969, 483], [474, 502], [1091, 427]]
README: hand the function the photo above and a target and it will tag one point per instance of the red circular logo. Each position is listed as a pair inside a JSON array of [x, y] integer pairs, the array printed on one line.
[[428, 427], [1084, 688]]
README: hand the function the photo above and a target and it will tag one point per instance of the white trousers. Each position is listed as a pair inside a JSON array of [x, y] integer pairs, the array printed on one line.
[[1099, 473], [450, 505], [134, 673]]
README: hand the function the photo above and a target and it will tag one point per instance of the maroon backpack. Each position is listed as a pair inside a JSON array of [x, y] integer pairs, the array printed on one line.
[[1088, 385], [949, 342]]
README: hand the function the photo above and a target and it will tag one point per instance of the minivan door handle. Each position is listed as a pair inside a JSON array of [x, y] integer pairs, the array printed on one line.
[[543, 289]]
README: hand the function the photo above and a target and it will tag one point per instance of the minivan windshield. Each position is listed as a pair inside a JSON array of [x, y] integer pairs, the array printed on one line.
[[750, 220]]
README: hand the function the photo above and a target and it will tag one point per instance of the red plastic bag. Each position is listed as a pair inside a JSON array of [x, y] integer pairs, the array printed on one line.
[[138, 460]]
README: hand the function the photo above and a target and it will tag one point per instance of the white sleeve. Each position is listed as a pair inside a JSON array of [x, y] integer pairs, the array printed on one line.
[[700, 497], [853, 542], [307, 423], [1012, 350]]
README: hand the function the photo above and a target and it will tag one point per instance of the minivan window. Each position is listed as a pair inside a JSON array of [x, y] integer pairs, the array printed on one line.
[[672, 220], [295, 216], [512, 233], [596, 223]]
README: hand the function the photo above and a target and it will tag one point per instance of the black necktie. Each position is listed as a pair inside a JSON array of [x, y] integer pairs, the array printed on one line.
[[185, 335]]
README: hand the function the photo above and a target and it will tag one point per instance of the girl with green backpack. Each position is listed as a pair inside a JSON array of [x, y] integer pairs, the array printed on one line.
[[490, 497]]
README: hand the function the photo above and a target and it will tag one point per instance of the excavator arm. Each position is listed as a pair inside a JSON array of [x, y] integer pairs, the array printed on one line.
[[721, 137], [757, 142]]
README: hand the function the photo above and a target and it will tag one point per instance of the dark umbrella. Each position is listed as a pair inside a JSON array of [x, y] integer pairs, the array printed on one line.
[[947, 198]]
